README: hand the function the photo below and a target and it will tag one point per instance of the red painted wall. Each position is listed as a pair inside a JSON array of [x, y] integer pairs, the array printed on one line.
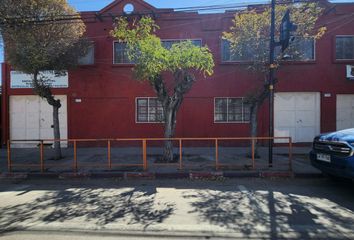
[[108, 92], [115, 113]]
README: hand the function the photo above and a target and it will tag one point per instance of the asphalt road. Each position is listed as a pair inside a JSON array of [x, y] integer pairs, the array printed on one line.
[[177, 209]]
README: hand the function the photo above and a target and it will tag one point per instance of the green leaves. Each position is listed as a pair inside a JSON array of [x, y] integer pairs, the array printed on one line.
[[151, 58], [251, 30], [185, 55]]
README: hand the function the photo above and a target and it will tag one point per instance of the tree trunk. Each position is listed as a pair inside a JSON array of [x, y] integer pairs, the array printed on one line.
[[43, 90], [254, 128], [170, 126], [56, 131], [171, 104], [255, 100]]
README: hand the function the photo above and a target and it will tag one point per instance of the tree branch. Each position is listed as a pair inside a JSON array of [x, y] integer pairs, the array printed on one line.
[[184, 82], [44, 91]]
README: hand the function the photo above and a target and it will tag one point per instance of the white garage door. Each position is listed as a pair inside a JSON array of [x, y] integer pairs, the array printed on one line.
[[345, 111], [31, 118], [297, 115]]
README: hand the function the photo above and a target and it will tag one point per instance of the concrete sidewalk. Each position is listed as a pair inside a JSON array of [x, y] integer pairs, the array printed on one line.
[[198, 162]]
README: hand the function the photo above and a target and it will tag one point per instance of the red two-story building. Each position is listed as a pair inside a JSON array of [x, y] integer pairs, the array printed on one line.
[[100, 99]]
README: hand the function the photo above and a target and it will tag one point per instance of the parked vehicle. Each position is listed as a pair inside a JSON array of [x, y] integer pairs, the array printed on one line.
[[333, 153]]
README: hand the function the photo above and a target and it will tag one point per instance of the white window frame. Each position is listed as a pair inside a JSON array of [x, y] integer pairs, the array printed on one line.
[[335, 48], [227, 111], [148, 112]]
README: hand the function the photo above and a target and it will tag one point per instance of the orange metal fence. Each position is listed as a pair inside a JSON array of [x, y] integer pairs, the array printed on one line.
[[144, 161]]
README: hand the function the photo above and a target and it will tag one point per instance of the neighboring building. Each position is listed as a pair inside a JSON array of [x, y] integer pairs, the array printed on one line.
[[100, 99]]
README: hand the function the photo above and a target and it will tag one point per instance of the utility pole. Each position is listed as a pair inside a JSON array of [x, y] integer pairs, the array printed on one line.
[[271, 85], [286, 38]]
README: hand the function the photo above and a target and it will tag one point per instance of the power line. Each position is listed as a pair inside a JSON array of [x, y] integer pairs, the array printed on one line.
[[220, 6], [65, 19], [68, 18]]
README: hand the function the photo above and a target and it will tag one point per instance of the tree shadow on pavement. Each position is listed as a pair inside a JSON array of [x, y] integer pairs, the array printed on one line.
[[229, 209], [274, 214], [100, 207]]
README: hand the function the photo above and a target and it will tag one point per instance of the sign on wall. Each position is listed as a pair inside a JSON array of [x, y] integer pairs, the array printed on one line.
[[350, 72], [22, 80]]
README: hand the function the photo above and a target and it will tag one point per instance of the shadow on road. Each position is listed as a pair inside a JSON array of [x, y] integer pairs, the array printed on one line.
[[279, 212], [98, 206], [252, 208]]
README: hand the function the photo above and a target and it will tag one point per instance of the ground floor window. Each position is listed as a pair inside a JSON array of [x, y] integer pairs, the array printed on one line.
[[149, 110], [231, 110]]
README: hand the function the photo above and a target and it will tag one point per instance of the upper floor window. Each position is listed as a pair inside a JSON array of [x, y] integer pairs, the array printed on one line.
[[231, 110], [149, 110], [229, 56], [168, 43], [344, 47], [301, 49], [120, 53], [89, 58]]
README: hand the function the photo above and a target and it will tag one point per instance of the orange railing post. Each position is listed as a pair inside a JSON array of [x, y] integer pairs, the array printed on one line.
[[75, 157], [144, 164], [180, 154], [109, 155], [9, 160], [290, 154], [253, 153], [41, 156], [144, 155], [216, 154]]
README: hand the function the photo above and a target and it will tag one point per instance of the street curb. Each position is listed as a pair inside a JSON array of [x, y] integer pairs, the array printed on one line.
[[308, 175], [178, 175], [276, 174], [79, 175], [193, 175], [251, 174], [119, 175], [139, 175], [205, 175], [157, 233], [13, 176], [136, 233], [43, 175]]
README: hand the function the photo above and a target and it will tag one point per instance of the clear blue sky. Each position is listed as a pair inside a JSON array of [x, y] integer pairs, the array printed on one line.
[[98, 4], [94, 5]]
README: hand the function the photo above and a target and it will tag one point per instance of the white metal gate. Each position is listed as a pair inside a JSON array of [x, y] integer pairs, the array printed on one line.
[[31, 118], [297, 114], [345, 111]]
